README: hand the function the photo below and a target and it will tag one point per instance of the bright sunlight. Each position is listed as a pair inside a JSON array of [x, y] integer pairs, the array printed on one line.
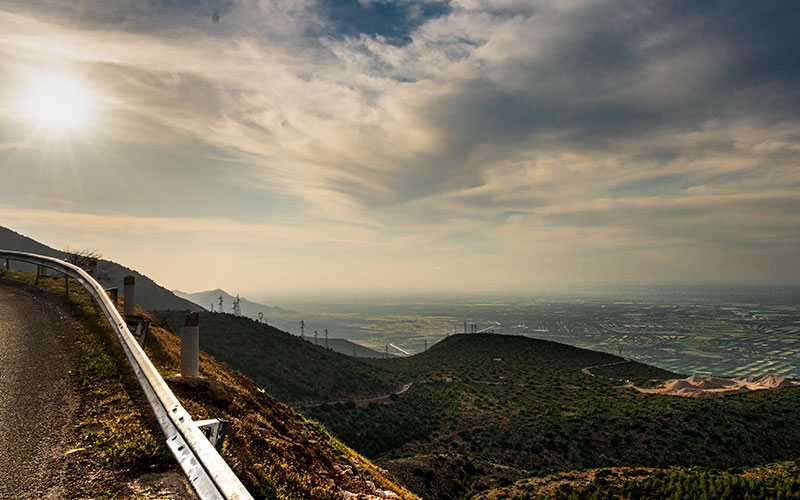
[[57, 102]]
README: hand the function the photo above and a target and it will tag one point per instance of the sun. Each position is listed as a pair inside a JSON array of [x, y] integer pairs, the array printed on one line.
[[57, 102]]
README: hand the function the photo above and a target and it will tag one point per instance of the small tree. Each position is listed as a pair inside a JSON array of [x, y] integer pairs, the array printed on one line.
[[88, 260]]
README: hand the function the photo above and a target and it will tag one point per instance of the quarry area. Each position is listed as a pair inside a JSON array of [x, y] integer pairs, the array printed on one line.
[[715, 387]]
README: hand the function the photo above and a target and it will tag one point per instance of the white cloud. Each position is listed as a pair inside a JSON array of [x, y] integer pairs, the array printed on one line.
[[538, 126]]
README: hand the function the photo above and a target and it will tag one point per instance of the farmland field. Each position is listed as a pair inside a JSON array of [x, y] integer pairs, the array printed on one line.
[[733, 330]]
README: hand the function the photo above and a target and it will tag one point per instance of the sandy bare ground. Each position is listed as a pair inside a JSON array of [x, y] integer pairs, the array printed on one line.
[[715, 387]]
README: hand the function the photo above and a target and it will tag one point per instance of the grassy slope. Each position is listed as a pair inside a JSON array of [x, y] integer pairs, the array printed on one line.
[[288, 368], [276, 452], [778, 480], [488, 409]]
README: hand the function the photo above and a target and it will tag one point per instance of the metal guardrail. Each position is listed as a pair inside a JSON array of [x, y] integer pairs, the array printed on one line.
[[205, 469]]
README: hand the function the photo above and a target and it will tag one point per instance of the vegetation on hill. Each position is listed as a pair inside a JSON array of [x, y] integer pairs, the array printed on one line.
[[288, 368], [273, 450], [487, 408], [774, 481]]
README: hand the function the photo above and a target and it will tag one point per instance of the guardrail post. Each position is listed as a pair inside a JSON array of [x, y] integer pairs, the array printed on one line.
[[130, 295], [210, 477], [190, 346], [92, 268], [38, 273], [114, 294]]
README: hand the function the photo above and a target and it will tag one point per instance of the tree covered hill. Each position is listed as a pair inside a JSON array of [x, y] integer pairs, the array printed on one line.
[[288, 368], [487, 410], [490, 409]]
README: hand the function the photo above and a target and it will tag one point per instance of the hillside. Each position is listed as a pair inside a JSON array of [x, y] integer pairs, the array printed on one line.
[[780, 480], [273, 450], [248, 307], [288, 368], [491, 409], [350, 348], [279, 317], [149, 295]]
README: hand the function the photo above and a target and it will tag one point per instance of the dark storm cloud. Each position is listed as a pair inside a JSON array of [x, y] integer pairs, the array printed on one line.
[[763, 36], [620, 72]]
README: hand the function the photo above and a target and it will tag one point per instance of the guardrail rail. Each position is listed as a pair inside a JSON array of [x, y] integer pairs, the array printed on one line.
[[205, 469]]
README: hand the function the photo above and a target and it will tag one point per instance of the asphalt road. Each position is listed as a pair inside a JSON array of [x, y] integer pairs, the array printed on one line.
[[39, 400]]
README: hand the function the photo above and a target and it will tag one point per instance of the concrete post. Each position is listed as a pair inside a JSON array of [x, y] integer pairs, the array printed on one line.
[[92, 268], [190, 346], [130, 295], [113, 293]]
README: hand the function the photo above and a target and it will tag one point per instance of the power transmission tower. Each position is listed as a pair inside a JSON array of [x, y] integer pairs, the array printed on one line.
[[426, 344], [237, 311], [260, 317], [326, 338], [302, 329], [465, 327], [387, 350], [316, 338], [220, 304], [212, 307]]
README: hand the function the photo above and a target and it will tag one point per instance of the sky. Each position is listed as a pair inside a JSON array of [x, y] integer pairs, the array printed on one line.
[[299, 146]]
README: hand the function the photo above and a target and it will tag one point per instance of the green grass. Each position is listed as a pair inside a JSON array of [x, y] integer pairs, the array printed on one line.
[[773, 481], [288, 368], [525, 404]]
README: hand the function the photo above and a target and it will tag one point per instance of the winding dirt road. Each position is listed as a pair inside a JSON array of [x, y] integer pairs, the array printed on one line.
[[39, 400], [383, 398]]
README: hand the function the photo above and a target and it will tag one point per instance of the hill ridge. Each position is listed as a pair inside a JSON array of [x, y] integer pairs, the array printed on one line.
[[149, 294]]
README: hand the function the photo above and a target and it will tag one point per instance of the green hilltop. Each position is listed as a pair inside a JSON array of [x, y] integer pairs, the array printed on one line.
[[290, 369], [485, 411]]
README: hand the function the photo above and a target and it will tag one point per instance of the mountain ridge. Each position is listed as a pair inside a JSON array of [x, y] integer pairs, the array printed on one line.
[[149, 294]]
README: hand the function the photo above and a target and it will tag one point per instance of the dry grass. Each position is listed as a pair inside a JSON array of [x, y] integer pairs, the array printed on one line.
[[273, 450]]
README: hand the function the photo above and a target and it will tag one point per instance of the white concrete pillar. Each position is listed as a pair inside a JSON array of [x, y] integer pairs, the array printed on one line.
[[190, 346], [130, 295]]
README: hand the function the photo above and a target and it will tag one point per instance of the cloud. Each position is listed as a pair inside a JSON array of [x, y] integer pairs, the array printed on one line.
[[612, 124]]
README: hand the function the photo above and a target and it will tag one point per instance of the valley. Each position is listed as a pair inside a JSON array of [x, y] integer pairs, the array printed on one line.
[[478, 412]]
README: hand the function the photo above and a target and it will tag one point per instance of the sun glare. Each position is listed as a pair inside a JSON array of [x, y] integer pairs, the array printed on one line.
[[57, 102]]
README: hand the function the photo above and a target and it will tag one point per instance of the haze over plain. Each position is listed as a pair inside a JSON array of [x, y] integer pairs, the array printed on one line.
[[429, 145]]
